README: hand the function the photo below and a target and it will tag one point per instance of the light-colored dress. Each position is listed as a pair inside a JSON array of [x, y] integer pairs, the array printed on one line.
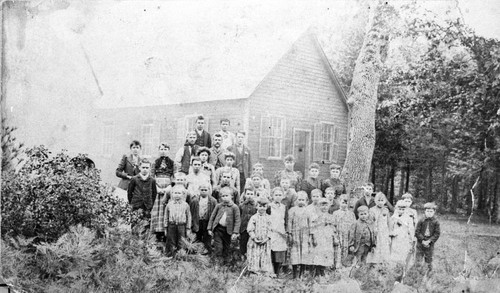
[[298, 227], [344, 221], [259, 255], [401, 244], [382, 220], [313, 213], [278, 233], [323, 231]]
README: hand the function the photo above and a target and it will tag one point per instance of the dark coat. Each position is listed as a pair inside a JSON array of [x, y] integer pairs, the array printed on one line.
[[434, 229], [203, 140], [126, 168], [309, 185], [362, 202], [195, 211], [167, 170], [247, 210], [243, 161], [141, 193], [186, 157], [217, 159], [233, 220]]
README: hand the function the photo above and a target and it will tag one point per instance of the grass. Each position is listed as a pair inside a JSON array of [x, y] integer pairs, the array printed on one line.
[[118, 263]]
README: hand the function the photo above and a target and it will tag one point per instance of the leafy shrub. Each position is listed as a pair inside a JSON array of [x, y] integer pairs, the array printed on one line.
[[47, 195]]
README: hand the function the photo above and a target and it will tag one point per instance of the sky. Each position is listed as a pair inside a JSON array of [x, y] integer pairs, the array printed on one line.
[[168, 51]]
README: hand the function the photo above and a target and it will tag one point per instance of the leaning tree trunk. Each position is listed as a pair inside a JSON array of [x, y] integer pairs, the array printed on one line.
[[363, 97]]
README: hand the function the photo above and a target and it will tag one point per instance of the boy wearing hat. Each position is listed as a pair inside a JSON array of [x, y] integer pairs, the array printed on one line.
[[427, 233]]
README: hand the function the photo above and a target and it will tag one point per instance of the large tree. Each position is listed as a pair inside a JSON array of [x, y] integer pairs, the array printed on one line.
[[363, 93]]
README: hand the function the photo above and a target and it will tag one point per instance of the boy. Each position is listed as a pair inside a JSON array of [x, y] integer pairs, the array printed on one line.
[[427, 233], [226, 183], [312, 181], [224, 224], [141, 194], [201, 210], [331, 194], [362, 237], [229, 158], [203, 138], [334, 181], [195, 177], [243, 159], [184, 154], [368, 199], [179, 179], [228, 138], [247, 210], [177, 220]]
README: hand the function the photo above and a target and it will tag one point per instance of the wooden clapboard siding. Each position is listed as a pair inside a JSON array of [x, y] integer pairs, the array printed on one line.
[[302, 88]]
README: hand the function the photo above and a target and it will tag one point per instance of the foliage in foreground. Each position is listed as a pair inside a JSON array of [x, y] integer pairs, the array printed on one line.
[[81, 261], [48, 195]]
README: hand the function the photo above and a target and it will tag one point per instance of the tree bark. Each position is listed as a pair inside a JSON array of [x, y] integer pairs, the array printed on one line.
[[430, 196], [393, 174], [454, 194], [402, 181], [363, 96], [407, 181]]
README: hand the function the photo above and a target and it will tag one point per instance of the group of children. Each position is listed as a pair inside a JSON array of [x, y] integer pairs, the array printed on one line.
[[307, 224]]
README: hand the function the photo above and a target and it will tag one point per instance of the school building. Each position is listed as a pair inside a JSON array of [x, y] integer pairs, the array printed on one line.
[[298, 108]]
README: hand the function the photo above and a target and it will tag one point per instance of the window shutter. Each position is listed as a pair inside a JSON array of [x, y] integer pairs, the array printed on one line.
[[335, 145], [265, 133], [318, 143]]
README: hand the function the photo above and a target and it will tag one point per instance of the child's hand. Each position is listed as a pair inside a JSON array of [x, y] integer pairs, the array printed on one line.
[[234, 237], [210, 233]]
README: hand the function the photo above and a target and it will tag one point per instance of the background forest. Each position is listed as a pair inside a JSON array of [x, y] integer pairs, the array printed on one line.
[[437, 136]]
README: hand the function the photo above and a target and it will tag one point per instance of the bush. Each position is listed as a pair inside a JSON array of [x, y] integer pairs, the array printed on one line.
[[47, 195]]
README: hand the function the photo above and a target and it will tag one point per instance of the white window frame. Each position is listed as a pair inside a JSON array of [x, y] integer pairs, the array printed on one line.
[[270, 137], [146, 144], [319, 140]]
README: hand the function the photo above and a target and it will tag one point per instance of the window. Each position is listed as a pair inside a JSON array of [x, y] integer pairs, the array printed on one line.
[[147, 138], [326, 142], [272, 135], [107, 138]]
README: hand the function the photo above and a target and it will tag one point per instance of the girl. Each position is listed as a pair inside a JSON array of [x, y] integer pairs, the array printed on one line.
[[206, 167], [278, 232], [344, 219], [313, 213], [259, 248], [128, 168], [402, 234], [162, 172], [324, 238], [382, 219], [298, 233]]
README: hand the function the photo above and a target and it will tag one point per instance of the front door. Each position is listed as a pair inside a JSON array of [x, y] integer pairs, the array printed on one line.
[[301, 149]]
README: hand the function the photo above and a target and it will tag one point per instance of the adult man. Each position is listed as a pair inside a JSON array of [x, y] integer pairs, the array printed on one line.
[[217, 152], [203, 138], [243, 161]]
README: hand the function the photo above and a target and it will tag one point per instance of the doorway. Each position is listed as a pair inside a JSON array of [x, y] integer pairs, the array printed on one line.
[[301, 149]]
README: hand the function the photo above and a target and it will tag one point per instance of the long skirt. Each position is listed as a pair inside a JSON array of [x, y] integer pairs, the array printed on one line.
[[259, 257]]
